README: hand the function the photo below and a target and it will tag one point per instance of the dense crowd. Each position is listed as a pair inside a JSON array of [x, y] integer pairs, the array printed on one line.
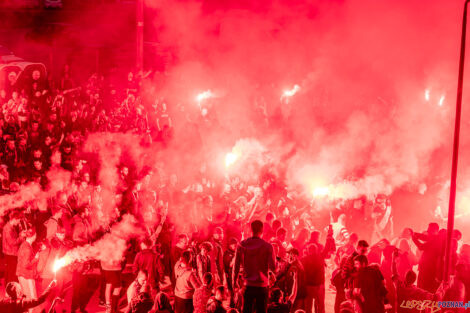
[[266, 250]]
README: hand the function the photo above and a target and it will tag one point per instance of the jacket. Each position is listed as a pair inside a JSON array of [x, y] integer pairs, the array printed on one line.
[[217, 259], [81, 230], [186, 281], [149, 261], [257, 258], [27, 264], [203, 265], [55, 250]]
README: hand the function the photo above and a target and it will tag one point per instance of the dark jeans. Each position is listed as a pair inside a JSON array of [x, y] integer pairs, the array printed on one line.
[[78, 291], [316, 293], [11, 261], [255, 297], [183, 305], [427, 280]]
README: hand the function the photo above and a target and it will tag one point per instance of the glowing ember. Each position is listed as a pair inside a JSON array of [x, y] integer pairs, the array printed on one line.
[[230, 159], [290, 93], [60, 263], [204, 95], [441, 100], [427, 94], [321, 192]]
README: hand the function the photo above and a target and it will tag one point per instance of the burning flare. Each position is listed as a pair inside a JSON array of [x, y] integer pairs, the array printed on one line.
[[427, 94], [319, 192], [230, 159], [441, 100], [60, 263], [289, 93], [204, 95]]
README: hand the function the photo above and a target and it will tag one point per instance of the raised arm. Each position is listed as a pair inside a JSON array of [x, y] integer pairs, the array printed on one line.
[[28, 304], [159, 228], [330, 244], [385, 218]]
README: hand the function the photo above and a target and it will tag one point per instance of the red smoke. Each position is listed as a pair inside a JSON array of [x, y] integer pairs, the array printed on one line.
[[360, 122]]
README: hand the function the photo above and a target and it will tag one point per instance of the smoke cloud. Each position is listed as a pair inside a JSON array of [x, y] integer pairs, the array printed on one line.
[[360, 121], [111, 246]]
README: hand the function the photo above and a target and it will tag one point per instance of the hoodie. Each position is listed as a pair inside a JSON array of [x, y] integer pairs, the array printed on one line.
[[186, 281], [256, 256]]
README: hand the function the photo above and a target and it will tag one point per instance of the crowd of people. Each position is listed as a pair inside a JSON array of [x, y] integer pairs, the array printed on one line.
[[249, 246]]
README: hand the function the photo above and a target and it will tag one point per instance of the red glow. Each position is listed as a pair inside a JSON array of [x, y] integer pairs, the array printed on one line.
[[272, 102], [60, 263]]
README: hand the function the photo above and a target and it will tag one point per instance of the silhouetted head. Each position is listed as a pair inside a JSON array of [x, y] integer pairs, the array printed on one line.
[[257, 228]]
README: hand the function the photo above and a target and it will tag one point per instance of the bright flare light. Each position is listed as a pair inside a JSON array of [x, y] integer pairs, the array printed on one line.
[[321, 192], [441, 100], [427, 94], [290, 93], [204, 95], [60, 263], [463, 204], [230, 159]]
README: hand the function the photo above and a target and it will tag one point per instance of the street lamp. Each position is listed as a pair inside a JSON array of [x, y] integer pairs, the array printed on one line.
[[140, 36], [455, 153]]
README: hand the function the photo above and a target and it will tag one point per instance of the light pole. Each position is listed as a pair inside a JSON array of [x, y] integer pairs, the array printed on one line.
[[140, 36], [455, 153]]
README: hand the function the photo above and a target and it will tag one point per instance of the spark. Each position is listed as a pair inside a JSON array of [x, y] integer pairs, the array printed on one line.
[[441, 100], [427, 94]]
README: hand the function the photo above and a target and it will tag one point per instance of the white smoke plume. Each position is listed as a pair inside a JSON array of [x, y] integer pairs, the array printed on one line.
[[111, 246]]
